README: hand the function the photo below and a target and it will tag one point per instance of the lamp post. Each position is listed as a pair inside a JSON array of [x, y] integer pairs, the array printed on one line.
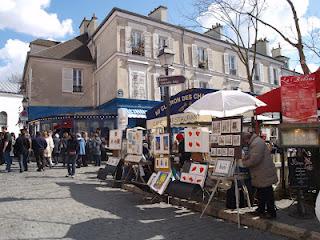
[[166, 60], [25, 106]]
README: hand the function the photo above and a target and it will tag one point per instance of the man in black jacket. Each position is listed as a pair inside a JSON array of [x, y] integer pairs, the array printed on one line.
[[39, 144], [21, 148]]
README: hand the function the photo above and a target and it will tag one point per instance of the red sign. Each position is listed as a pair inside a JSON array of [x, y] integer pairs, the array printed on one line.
[[299, 101]]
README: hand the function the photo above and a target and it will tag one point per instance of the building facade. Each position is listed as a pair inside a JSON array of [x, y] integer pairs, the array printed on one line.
[[11, 106], [115, 65]]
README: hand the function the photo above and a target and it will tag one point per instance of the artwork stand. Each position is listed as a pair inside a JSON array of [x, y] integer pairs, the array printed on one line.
[[235, 179]]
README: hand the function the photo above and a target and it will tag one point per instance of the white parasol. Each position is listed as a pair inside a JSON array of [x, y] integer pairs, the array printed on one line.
[[225, 103]]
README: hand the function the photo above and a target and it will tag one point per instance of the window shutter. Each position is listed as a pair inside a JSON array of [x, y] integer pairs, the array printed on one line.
[[155, 45], [261, 72], [226, 63], [67, 80], [196, 83], [147, 44], [271, 77], [128, 39], [194, 55], [156, 89], [210, 59], [279, 76], [170, 43]]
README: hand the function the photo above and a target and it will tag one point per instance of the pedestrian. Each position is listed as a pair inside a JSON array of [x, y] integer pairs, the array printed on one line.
[[263, 174], [13, 139], [7, 145], [39, 144], [85, 157], [1, 148], [72, 152], [63, 147], [56, 148], [21, 148], [48, 150], [82, 150], [96, 149]]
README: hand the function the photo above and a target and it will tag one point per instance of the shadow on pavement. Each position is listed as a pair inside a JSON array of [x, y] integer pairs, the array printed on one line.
[[134, 219]]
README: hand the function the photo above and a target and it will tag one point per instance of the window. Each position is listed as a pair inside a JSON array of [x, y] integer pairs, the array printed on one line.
[[275, 77], [232, 65], [202, 58], [3, 119], [137, 43], [203, 84], [256, 72], [163, 41], [162, 94], [77, 80], [138, 85]]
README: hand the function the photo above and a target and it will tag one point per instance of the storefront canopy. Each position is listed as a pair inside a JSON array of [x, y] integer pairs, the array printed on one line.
[[273, 98], [178, 102]]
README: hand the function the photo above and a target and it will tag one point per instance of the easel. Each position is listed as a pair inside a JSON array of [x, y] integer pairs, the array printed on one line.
[[235, 178]]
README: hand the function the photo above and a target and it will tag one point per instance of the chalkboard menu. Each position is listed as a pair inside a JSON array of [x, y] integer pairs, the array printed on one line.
[[300, 169]]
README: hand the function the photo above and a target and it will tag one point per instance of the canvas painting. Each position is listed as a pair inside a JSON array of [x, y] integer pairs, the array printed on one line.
[[113, 161], [161, 144], [193, 179], [134, 142], [230, 152], [228, 140], [236, 140], [161, 163], [213, 139], [236, 125], [152, 179], [218, 151], [161, 182], [198, 169], [213, 152], [224, 167], [115, 139], [224, 152], [225, 126], [165, 143], [216, 128], [196, 140], [133, 158], [221, 140]]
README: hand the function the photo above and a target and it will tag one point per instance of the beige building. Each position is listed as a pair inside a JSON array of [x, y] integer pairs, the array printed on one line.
[[115, 65]]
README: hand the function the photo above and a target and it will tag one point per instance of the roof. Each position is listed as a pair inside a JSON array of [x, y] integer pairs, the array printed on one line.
[[9, 87], [44, 42], [74, 49]]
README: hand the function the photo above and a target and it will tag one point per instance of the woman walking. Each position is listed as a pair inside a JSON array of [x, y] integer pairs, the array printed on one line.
[[72, 153], [49, 148]]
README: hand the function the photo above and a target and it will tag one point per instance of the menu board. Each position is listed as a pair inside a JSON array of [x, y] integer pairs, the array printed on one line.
[[298, 98], [300, 169], [225, 144]]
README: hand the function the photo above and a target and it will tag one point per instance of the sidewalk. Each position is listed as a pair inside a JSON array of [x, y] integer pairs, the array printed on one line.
[[285, 225]]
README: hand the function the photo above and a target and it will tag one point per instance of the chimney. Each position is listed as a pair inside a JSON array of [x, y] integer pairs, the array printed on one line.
[[84, 26], [215, 31], [277, 54], [92, 25], [159, 13], [263, 46]]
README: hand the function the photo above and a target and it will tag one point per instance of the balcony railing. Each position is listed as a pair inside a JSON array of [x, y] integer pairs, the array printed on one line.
[[77, 88]]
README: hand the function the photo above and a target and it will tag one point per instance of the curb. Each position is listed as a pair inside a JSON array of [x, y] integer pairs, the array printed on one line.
[[274, 227]]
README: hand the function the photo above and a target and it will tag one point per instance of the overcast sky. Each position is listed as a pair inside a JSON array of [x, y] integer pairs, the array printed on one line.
[[22, 21]]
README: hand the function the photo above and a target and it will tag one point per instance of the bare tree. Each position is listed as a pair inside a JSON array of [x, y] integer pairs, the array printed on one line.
[[241, 29], [15, 78], [297, 43]]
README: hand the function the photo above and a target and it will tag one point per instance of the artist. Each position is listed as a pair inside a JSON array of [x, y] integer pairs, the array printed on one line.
[[263, 174]]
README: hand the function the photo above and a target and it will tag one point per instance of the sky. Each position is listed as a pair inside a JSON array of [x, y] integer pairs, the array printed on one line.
[[22, 21]]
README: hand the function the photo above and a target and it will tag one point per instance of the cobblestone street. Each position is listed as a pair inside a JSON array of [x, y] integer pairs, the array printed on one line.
[[47, 205]]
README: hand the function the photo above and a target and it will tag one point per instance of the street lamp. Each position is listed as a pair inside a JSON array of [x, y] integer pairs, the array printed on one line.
[[25, 112], [166, 60]]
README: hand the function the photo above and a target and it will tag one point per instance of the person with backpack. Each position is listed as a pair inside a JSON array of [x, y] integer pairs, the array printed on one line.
[[21, 149]]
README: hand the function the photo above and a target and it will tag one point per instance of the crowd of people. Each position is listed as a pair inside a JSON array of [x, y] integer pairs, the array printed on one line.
[[49, 149]]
